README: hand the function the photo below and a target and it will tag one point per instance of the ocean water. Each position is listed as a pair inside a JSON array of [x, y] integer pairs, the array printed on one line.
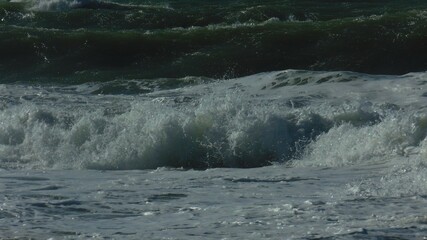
[[194, 119]]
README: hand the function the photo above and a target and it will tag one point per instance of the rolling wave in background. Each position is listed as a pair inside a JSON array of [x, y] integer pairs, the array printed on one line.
[[98, 41]]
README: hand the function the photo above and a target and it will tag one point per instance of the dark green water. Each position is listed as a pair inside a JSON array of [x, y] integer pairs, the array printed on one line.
[[88, 40]]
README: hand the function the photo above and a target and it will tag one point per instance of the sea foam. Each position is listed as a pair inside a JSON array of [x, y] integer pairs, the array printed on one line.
[[64, 5], [217, 133], [52, 5], [295, 117]]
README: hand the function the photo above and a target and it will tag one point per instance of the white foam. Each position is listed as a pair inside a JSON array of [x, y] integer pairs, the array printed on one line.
[[52, 5], [217, 132], [348, 144], [311, 118], [64, 5]]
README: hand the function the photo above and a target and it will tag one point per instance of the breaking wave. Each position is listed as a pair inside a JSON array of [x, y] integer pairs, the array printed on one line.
[[300, 118]]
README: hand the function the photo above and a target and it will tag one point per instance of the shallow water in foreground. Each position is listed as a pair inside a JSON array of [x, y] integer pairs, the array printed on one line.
[[270, 203]]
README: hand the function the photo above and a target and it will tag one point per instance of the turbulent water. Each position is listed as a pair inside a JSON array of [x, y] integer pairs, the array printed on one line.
[[92, 40], [178, 119]]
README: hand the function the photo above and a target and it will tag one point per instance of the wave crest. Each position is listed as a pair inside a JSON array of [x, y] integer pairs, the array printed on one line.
[[63, 5]]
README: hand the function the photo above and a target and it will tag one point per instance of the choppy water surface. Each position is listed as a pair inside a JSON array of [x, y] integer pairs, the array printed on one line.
[[94, 40], [269, 203], [341, 155], [178, 119]]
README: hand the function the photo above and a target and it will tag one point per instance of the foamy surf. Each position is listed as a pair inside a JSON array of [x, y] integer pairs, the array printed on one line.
[[67, 5], [293, 117], [323, 149], [130, 119]]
